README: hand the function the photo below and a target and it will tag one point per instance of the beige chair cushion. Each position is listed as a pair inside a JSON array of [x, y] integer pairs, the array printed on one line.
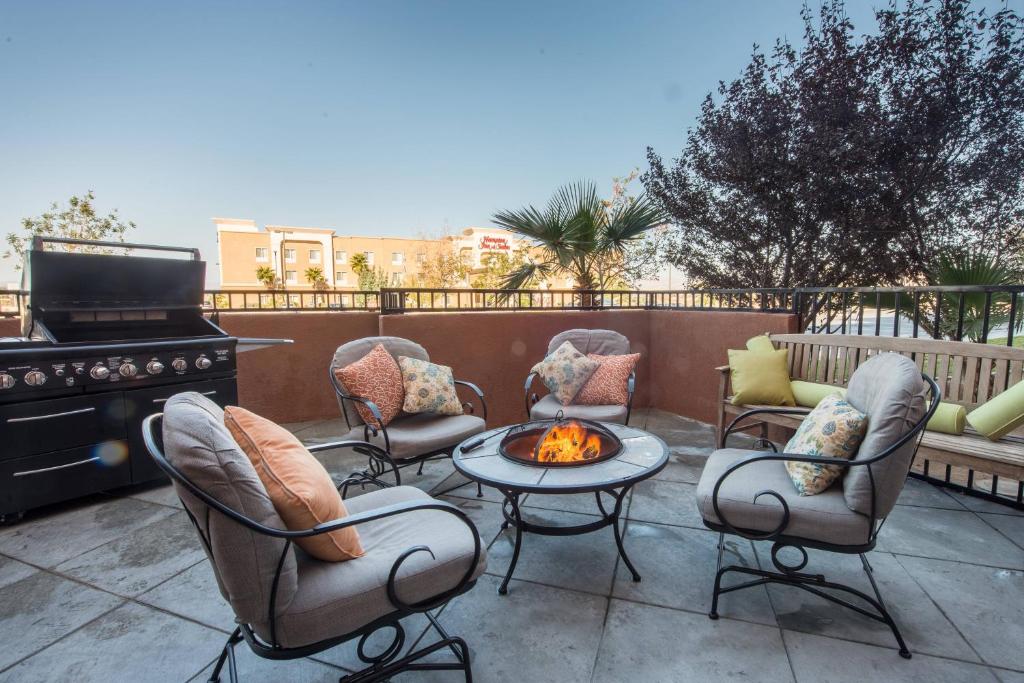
[[198, 444], [824, 517], [548, 407], [888, 387], [413, 435], [338, 598], [604, 342], [352, 351]]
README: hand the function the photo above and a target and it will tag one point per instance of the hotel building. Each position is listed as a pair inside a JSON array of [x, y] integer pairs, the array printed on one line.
[[289, 251]]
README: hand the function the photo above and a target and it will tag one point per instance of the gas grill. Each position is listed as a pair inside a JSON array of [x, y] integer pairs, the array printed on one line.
[[107, 338]]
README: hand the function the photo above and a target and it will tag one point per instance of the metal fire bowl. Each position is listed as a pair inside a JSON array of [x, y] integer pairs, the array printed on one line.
[[520, 443]]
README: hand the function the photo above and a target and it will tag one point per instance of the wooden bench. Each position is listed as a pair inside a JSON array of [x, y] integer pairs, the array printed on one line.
[[968, 374]]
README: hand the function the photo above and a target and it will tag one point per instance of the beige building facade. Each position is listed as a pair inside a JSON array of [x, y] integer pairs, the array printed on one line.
[[290, 251]]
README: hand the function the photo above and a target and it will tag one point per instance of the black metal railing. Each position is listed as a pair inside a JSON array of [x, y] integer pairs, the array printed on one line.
[[226, 300], [985, 314]]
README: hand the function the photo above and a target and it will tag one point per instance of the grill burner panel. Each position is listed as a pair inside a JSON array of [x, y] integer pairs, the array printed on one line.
[[559, 443]]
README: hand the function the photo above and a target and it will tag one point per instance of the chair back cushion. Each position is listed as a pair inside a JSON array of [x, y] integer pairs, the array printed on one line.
[[888, 387], [197, 443], [352, 351], [604, 342], [300, 488]]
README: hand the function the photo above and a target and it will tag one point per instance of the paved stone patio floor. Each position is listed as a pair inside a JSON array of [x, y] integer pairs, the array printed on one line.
[[116, 588]]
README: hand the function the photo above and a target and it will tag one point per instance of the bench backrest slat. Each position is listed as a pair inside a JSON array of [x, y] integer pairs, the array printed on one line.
[[968, 373]]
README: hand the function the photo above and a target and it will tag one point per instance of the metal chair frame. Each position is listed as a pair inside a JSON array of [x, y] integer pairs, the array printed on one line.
[[380, 666], [532, 398], [379, 461], [791, 575]]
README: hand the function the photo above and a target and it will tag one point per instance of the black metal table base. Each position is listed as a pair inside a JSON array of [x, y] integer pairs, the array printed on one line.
[[514, 519]]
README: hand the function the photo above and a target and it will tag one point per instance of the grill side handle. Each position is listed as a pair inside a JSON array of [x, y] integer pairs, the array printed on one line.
[[38, 241], [254, 343]]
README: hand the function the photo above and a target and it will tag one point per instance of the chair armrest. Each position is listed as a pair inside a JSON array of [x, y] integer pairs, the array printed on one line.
[[529, 381], [734, 425], [371, 406], [476, 390], [722, 368], [529, 398], [351, 443], [631, 383]]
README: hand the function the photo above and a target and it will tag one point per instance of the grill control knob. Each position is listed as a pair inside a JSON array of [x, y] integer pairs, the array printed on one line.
[[203, 363], [154, 367], [128, 370], [6, 381], [34, 378], [179, 364], [99, 372]]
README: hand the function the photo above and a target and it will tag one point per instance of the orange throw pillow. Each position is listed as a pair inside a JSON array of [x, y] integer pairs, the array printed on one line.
[[375, 377], [609, 385], [298, 485]]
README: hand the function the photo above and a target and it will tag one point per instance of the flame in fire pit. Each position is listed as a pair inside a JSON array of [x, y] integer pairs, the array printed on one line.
[[569, 442]]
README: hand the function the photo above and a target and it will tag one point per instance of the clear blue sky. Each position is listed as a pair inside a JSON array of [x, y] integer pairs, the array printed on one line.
[[389, 118]]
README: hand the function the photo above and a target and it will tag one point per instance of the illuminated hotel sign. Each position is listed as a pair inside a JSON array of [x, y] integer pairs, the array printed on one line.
[[491, 243]]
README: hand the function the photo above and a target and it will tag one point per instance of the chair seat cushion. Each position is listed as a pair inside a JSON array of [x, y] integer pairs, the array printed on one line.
[[549, 406], [823, 518], [333, 599], [413, 435]]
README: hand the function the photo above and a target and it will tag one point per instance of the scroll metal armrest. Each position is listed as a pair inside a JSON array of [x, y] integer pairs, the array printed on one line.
[[530, 399], [735, 424], [371, 406], [350, 443], [790, 457], [631, 383], [476, 390], [723, 368]]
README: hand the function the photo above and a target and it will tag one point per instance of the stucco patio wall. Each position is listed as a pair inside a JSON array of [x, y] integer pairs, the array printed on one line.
[[495, 350]]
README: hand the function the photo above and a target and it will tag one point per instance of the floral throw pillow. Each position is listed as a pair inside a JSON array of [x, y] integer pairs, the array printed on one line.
[[834, 429], [375, 377], [565, 371], [609, 385], [429, 388]]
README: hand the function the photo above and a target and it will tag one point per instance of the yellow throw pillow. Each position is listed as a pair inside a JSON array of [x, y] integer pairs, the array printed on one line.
[[1000, 415], [760, 343], [760, 378], [809, 394], [834, 429], [298, 485]]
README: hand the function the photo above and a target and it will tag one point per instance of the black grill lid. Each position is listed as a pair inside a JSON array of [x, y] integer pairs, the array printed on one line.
[[61, 281]]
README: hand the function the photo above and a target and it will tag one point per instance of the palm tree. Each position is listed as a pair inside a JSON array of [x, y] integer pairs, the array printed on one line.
[[267, 276], [966, 270], [579, 236]]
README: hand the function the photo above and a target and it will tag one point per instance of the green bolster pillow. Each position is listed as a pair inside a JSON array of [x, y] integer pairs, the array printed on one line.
[[1001, 415], [809, 394], [760, 343], [949, 418]]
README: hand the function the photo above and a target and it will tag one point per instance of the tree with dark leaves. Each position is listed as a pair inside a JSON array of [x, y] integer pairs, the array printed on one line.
[[856, 160]]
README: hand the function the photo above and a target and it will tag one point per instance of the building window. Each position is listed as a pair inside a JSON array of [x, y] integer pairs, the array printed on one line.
[[369, 257], [421, 259], [341, 278], [314, 256], [262, 254], [289, 255], [291, 277], [396, 279], [340, 256], [397, 258]]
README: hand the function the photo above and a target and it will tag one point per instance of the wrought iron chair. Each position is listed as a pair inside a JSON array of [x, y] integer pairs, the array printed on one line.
[[289, 605], [604, 342], [408, 439], [847, 517]]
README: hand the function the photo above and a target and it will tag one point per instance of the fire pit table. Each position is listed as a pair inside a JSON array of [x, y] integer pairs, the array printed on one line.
[[560, 456]]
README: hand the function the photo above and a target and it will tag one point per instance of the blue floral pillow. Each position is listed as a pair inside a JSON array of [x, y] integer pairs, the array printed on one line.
[[565, 371], [834, 429], [429, 388]]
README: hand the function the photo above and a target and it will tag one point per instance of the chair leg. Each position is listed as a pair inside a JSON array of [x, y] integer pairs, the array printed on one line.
[[815, 584], [384, 666], [227, 655], [713, 614], [882, 610]]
